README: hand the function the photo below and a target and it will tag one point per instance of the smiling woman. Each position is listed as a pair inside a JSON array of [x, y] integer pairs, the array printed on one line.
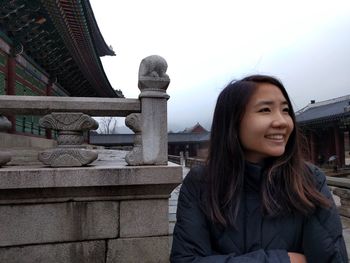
[[256, 199]]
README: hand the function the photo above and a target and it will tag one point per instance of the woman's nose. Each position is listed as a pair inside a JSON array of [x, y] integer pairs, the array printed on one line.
[[279, 120]]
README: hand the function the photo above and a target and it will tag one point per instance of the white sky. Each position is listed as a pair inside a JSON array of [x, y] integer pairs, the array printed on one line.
[[305, 43]]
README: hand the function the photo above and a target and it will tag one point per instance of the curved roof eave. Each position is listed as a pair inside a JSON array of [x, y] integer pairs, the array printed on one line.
[[100, 44]]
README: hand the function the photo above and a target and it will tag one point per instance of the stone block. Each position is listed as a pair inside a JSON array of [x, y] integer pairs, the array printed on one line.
[[171, 228], [172, 209], [141, 218], [145, 250], [172, 217], [344, 211], [57, 222], [345, 221], [87, 252], [10, 141]]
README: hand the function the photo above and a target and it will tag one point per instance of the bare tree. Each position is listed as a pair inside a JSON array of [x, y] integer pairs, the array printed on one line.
[[107, 125]]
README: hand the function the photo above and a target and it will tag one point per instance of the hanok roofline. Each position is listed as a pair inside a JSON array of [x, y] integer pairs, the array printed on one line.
[[63, 38], [195, 129], [325, 111]]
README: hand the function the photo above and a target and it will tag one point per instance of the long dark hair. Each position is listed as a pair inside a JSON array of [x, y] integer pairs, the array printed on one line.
[[287, 185]]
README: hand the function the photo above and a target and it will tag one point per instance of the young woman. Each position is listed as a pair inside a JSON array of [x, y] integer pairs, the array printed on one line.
[[256, 199]]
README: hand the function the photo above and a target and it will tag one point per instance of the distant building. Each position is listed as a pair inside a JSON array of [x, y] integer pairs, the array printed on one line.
[[193, 141], [50, 48], [326, 126]]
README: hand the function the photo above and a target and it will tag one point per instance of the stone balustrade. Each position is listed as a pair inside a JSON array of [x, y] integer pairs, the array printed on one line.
[[341, 187], [89, 208], [147, 117]]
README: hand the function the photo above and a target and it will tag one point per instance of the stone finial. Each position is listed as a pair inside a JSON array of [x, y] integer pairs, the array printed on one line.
[[151, 143], [5, 125], [70, 127], [153, 80]]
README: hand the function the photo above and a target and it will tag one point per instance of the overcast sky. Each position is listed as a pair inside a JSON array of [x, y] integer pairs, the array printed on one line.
[[304, 43]]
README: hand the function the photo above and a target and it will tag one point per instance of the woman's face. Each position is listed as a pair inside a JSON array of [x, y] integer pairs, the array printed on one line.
[[266, 124]]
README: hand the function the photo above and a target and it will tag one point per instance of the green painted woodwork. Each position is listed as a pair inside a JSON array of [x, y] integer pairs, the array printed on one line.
[[21, 72], [27, 124], [2, 59], [59, 93], [2, 84]]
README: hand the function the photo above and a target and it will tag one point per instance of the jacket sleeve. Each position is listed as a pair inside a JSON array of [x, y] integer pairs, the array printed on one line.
[[191, 239], [323, 241]]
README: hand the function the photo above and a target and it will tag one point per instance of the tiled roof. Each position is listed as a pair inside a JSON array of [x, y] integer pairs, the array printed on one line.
[[63, 38], [128, 139], [188, 137], [195, 129], [324, 111]]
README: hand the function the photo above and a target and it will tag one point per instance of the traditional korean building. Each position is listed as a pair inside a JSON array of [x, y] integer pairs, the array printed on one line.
[[193, 141], [326, 126], [51, 48]]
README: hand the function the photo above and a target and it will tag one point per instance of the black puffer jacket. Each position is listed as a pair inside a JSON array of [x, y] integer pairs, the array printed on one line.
[[257, 238]]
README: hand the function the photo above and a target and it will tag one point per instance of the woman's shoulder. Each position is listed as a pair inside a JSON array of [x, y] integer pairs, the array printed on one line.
[[196, 173], [196, 177], [317, 174]]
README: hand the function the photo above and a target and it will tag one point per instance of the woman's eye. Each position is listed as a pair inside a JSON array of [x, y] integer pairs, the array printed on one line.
[[264, 110], [286, 110]]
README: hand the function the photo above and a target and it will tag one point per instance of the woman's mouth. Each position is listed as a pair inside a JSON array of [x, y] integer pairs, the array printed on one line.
[[276, 137]]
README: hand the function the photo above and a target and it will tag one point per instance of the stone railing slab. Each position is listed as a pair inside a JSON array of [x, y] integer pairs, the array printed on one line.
[[114, 182], [42, 105], [343, 182], [341, 188]]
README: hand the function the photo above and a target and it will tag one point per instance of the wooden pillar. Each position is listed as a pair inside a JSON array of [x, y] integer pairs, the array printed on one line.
[[48, 89], [313, 156], [10, 87], [339, 145]]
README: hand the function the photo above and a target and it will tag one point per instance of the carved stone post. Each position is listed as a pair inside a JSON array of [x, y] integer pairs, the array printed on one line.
[[5, 125], [70, 151], [151, 127]]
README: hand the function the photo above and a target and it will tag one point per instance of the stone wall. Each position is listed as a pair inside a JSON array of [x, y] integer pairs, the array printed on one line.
[[108, 212]]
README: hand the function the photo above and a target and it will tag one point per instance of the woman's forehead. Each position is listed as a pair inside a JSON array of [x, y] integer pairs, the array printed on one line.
[[266, 93]]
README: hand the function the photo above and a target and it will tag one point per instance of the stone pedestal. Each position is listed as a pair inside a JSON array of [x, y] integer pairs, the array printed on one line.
[[106, 213], [70, 127]]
